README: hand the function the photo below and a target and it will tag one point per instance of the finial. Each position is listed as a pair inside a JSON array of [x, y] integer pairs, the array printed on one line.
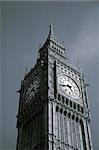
[[39, 45], [38, 56], [87, 84], [19, 91], [26, 70], [63, 42], [39, 50], [51, 33], [78, 66]]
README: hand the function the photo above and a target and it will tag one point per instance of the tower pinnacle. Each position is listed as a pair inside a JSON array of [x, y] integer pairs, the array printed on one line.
[[51, 32]]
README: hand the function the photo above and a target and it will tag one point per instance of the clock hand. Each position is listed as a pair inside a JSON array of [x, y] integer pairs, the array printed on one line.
[[63, 84], [67, 86]]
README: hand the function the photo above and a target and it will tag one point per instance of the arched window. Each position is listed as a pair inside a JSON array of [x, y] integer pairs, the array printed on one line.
[[65, 112], [78, 107], [73, 117], [59, 97], [57, 108], [69, 114], [61, 110], [74, 105], [67, 101], [77, 119], [70, 103], [63, 99], [82, 110]]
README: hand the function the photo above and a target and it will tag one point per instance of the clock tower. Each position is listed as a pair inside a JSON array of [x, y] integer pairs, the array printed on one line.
[[54, 111]]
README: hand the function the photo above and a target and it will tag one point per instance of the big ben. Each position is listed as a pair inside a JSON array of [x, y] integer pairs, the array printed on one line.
[[54, 111]]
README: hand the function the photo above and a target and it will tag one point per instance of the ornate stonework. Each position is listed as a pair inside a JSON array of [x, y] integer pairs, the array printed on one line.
[[53, 110]]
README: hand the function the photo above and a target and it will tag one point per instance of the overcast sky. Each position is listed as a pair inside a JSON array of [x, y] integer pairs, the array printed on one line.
[[24, 26]]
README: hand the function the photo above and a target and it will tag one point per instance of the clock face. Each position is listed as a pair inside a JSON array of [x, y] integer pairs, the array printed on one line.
[[68, 86], [32, 89]]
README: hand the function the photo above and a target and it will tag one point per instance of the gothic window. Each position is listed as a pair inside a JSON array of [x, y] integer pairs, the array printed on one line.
[[75, 133], [78, 136], [63, 99], [82, 111], [58, 126], [59, 97], [65, 112], [70, 127], [61, 127], [57, 108], [65, 131], [61, 110], [67, 101], [78, 107], [57, 122], [72, 133], [70, 103], [74, 105], [77, 119], [83, 135], [69, 114], [73, 117]]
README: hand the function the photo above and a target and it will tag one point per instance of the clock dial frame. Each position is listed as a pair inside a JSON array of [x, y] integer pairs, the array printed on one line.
[[32, 89], [69, 86]]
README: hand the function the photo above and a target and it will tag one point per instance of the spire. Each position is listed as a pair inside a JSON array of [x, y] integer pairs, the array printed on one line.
[[53, 38], [51, 32]]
